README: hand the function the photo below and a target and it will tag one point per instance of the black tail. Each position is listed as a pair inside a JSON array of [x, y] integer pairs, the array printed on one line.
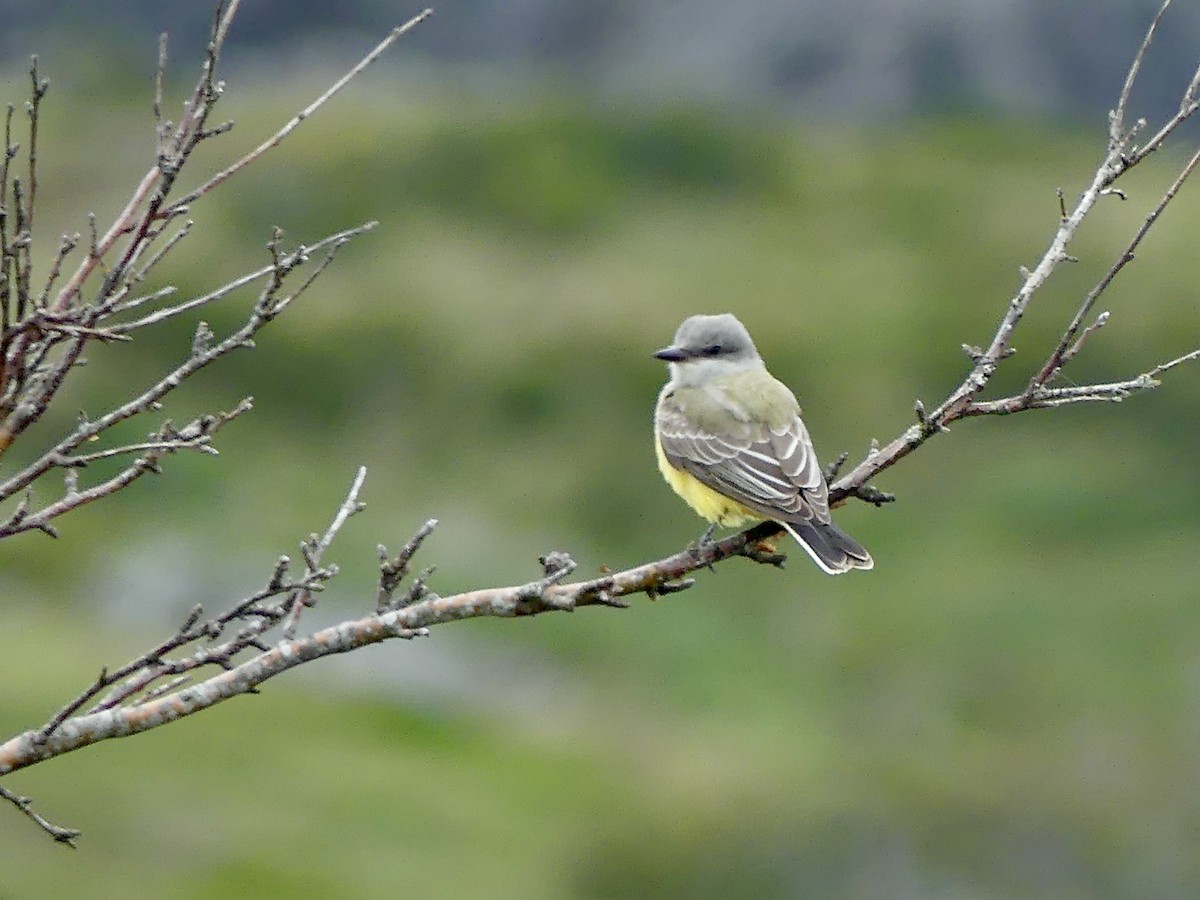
[[830, 547]]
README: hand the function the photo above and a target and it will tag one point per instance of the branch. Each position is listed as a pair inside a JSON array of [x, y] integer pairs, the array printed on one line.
[[1120, 156], [314, 548], [196, 435], [66, 731], [25, 805], [292, 124], [332, 243], [152, 190], [29, 380], [1068, 346], [166, 440]]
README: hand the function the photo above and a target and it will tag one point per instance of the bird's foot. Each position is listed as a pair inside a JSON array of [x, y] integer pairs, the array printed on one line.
[[706, 540]]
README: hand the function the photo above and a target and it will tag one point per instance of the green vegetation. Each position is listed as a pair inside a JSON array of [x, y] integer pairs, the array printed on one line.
[[1004, 708]]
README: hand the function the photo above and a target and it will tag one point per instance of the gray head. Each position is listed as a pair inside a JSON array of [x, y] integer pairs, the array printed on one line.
[[710, 337], [706, 346]]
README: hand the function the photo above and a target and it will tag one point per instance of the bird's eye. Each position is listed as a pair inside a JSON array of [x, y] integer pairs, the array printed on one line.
[[712, 350]]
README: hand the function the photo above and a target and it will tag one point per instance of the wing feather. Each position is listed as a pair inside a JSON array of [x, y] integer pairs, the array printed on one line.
[[773, 471]]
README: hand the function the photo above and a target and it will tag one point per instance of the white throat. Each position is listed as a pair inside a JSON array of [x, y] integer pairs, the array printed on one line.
[[697, 372]]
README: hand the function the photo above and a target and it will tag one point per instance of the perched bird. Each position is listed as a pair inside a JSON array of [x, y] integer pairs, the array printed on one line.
[[730, 442]]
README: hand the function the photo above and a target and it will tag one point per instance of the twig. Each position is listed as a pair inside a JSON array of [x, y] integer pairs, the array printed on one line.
[[332, 241], [1072, 351], [204, 352], [963, 400], [25, 805], [314, 549], [1180, 360], [1117, 132], [1060, 354], [161, 127], [546, 594], [294, 123], [392, 572], [256, 614], [196, 435]]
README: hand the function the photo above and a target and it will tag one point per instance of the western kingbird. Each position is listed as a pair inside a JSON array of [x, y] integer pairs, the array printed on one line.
[[730, 442]]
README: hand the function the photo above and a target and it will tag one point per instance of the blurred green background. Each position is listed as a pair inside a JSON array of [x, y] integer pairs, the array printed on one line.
[[1007, 706]]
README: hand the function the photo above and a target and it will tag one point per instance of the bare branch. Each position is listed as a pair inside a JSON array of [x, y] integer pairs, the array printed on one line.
[[1072, 351], [294, 123], [314, 549], [204, 352], [161, 127], [1180, 360], [39, 87], [1061, 355], [7, 256], [256, 614], [66, 731], [67, 243], [1118, 135], [30, 374], [195, 436], [963, 400], [25, 805], [153, 297], [136, 277], [333, 242], [21, 411]]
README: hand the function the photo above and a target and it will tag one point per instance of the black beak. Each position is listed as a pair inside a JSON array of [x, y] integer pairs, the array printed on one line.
[[671, 354]]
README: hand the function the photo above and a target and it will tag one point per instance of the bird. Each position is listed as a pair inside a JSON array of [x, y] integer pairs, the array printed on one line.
[[730, 441]]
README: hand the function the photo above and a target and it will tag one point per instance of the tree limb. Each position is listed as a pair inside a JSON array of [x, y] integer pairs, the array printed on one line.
[[1121, 155], [66, 731]]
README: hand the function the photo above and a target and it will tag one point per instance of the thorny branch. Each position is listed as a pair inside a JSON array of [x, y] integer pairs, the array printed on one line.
[[155, 688]]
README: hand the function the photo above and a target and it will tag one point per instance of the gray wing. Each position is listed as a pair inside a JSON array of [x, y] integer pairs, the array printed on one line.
[[775, 473]]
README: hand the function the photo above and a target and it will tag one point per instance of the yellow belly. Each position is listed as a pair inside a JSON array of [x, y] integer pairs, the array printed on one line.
[[704, 500]]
